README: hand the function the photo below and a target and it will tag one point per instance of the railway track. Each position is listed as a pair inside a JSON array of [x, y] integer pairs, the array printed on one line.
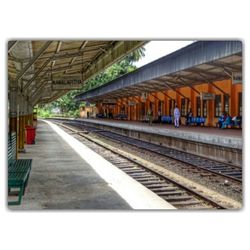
[[225, 170], [179, 195]]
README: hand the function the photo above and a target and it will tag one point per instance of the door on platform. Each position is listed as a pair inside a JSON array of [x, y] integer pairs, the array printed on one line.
[[226, 103], [143, 112], [217, 104], [161, 107], [198, 106], [132, 113], [204, 108], [152, 108], [240, 103]]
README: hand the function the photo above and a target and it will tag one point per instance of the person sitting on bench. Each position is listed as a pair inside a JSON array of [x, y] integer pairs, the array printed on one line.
[[237, 120], [221, 119]]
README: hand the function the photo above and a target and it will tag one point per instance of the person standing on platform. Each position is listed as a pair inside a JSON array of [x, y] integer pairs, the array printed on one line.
[[159, 116], [176, 117], [150, 117], [189, 117]]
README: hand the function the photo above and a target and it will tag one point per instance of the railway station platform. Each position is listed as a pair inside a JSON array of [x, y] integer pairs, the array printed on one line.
[[68, 175], [219, 144]]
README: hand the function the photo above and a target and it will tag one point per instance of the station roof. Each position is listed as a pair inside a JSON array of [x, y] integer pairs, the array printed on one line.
[[34, 65], [200, 62]]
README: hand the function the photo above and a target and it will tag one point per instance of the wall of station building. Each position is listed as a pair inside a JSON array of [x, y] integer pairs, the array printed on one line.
[[228, 98]]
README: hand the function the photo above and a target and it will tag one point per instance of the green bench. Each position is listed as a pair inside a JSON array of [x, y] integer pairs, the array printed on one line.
[[18, 171]]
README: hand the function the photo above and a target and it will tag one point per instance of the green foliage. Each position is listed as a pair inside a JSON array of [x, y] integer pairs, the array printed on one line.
[[43, 113], [111, 73]]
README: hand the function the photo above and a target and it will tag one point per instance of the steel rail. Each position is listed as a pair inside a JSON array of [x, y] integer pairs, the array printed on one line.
[[197, 195]]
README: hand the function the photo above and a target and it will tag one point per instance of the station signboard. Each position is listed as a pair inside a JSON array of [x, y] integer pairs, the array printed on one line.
[[109, 101], [207, 96], [73, 82], [131, 103], [236, 77]]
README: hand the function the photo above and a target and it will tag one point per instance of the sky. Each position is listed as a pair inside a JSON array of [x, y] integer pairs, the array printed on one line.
[[157, 49]]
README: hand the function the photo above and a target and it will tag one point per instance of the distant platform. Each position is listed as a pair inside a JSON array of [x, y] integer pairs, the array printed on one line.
[[224, 145], [231, 138]]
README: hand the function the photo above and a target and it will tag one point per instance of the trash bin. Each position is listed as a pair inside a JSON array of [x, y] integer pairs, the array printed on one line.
[[30, 135]]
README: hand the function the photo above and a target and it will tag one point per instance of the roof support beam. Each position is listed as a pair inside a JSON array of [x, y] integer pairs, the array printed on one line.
[[226, 65], [201, 71], [167, 95], [136, 98], [174, 89], [190, 86], [178, 92], [74, 58], [155, 96], [11, 45], [34, 59], [38, 89], [53, 97], [221, 90], [119, 50], [36, 75], [57, 51]]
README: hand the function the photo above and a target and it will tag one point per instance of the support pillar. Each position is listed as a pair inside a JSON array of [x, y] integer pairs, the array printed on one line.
[[13, 110], [21, 123]]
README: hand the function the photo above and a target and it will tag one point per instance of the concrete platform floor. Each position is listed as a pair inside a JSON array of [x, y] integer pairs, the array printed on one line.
[[215, 136], [61, 179]]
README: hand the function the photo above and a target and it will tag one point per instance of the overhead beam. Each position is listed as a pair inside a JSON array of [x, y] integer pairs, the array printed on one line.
[[226, 65], [155, 96], [201, 71], [43, 66], [167, 95], [80, 49], [221, 90], [210, 82], [177, 91], [34, 59], [57, 51], [11, 45], [54, 97], [190, 86], [120, 49], [37, 90], [36, 75]]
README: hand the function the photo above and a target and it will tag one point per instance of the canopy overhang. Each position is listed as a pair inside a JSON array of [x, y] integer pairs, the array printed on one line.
[[200, 62], [32, 65]]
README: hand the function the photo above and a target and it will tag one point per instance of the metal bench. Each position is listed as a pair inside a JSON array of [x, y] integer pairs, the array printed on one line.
[[166, 119], [198, 121], [18, 171]]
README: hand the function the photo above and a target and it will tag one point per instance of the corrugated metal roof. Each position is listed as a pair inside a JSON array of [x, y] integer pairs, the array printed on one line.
[[180, 67]]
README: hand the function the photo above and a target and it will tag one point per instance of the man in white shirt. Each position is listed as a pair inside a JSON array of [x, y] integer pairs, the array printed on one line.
[[176, 116]]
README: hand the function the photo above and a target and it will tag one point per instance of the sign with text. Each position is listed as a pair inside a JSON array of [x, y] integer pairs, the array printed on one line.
[[72, 79], [67, 83], [131, 103], [236, 77], [207, 96], [109, 101]]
